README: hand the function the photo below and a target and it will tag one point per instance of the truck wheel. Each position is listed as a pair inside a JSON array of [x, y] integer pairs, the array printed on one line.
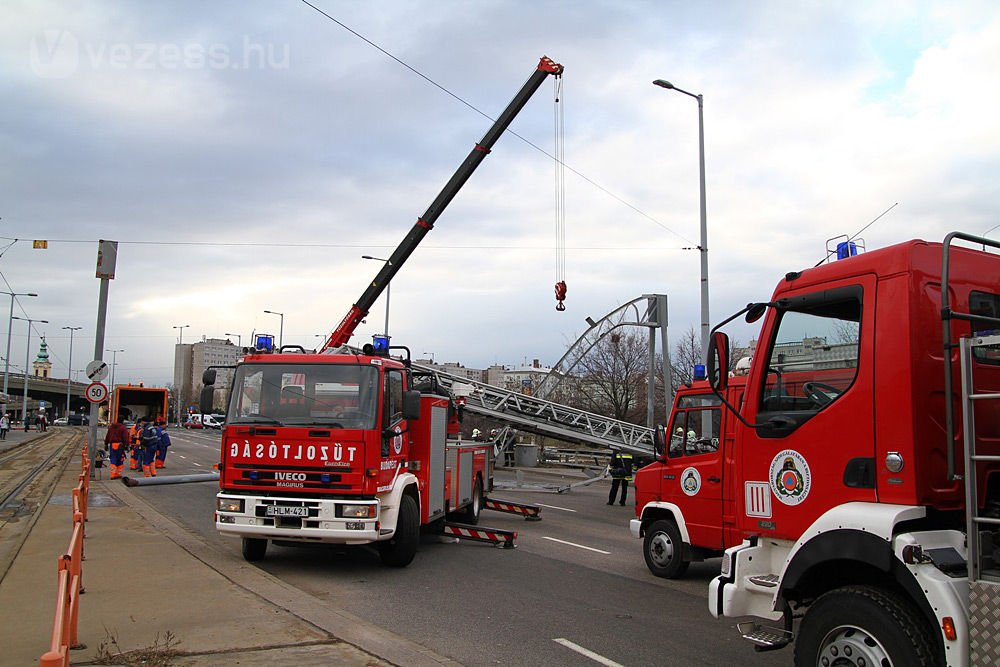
[[400, 550], [470, 513], [864, 625], [663, 549], [254, 549]]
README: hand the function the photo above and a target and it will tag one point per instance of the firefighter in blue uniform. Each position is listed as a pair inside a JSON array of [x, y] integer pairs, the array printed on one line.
[[621, 475], [149, 441], [164, 442]]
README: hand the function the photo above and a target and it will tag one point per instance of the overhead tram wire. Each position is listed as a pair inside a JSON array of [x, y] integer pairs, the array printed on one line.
[[858, 233], [490, 118]]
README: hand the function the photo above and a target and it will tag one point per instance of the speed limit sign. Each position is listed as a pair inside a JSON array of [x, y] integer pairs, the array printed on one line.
[[96, 392]]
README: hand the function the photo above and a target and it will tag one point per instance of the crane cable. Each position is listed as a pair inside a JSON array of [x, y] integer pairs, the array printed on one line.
[[560, 192]]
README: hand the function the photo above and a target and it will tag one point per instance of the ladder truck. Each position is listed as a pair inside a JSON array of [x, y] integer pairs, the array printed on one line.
[[349, 447], [862, 473]]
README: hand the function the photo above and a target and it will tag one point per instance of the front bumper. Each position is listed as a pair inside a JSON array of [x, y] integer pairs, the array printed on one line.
[[635, 527], [322, 523]]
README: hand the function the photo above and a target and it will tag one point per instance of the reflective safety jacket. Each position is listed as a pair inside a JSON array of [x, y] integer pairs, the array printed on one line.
[[621, 466]]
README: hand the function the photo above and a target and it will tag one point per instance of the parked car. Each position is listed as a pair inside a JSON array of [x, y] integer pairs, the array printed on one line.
[[60, 421], [78, 420], [202, 421]]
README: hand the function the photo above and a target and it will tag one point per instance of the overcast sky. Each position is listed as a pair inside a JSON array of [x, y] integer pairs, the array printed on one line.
[[246, 154]]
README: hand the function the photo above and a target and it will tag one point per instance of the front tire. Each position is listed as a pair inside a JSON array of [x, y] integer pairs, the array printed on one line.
[[663, 550], [400, 550], [254, 549], [858, 623]]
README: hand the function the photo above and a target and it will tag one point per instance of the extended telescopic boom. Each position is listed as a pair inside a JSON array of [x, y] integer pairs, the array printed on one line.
[[425, 223]]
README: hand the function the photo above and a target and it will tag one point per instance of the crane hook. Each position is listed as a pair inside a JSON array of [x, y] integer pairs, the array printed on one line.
[[560, 295]]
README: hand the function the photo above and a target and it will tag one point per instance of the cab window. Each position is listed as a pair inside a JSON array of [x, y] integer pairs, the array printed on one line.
[[393, 412], [814, 351], [985, 305], [696, 426]]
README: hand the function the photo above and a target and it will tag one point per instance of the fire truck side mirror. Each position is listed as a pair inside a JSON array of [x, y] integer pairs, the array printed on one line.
[[206, 399], [411, 404], [718, 361], [660, 442], [208, 377]]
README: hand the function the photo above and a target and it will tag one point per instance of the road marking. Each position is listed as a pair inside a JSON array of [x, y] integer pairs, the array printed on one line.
[[196, 463], [578, 546], [564, 509], [596, 657], [182, 456]]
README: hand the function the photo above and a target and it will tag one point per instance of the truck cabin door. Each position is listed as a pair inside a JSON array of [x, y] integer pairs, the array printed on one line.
[[692, 477], [393, 426], [812, 397]]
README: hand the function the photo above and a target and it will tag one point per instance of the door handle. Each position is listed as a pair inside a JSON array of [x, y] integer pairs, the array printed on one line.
[[715, 479]]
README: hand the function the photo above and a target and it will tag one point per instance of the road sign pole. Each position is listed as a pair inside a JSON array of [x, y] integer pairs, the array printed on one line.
[[107, 255]]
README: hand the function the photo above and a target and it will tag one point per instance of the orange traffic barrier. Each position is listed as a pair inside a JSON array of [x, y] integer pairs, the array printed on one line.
[[70, 580]]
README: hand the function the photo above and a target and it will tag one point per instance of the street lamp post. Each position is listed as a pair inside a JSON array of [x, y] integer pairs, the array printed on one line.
[[27, 353], [388, 291], [69, 370], [6, 368], [114, 365], [281, 330], [703, 246], [177, 390]]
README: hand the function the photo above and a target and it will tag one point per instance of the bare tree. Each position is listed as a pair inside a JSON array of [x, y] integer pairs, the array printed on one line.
[[611, 377]]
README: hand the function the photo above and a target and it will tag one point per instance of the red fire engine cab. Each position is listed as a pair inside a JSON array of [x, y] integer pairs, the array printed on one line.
[[341, 449], [860, 481]]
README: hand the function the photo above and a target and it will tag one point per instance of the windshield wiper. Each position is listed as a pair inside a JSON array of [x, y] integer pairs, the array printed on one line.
[[256, 419]]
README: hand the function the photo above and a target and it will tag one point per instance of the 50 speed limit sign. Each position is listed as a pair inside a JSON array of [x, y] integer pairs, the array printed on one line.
[[96, 392]]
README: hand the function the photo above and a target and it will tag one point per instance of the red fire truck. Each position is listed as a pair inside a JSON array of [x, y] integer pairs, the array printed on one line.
[[683, 499], [860, 474], [353, 448]]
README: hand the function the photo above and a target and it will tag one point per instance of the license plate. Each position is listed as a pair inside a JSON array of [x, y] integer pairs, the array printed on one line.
[[281, 510], [355, 525]]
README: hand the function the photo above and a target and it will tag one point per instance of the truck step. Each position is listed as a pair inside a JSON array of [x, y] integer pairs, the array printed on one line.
[[502, 538], [765, 580], [765, 638], [530, 512]]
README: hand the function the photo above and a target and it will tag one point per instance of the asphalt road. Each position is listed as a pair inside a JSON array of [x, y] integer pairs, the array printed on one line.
[[576, 583]]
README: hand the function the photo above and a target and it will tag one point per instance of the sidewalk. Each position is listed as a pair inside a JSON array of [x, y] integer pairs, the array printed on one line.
[[220, 609]]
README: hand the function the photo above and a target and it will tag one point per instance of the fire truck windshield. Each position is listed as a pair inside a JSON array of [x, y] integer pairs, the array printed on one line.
[[331, 395]]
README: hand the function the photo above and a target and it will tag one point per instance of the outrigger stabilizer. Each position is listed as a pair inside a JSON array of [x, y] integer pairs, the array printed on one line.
[[501, 538], [530, 512]]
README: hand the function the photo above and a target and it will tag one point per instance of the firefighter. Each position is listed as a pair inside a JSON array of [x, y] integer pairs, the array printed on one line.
[[621, 475], [164, 442], [149, 442], [115, 441]]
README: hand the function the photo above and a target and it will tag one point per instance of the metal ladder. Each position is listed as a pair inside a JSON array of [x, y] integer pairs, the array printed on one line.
[[541, 417], [981, 531]]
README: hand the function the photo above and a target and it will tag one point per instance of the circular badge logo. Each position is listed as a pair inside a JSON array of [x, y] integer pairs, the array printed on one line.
[[690, 481], [397, 441], [790, 477]]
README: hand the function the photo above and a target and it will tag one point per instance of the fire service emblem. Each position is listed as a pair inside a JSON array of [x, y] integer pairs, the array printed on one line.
[[790, 477]]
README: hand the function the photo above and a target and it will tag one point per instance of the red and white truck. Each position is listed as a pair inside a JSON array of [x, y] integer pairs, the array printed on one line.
[[858, 463], [353, 448]]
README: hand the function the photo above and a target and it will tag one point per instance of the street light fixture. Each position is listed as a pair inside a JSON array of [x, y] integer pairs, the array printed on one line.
[[177, 390], [239, 339], [27, 352], [703, 246], [388, 290], [69, 369], [6, 368], [114, 364], [281, 330]]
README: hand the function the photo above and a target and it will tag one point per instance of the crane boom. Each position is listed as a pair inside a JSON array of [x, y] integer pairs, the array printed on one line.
[[425, 223]]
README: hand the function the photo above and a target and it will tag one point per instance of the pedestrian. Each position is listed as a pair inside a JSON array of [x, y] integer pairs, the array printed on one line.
[[27, 422], [116, 440], [161, 448], [135, 452], [4, 426], [621, 475], [149, 440]]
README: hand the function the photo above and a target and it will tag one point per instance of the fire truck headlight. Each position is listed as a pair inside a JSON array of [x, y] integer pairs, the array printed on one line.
[[229, 504], [356, 511]]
